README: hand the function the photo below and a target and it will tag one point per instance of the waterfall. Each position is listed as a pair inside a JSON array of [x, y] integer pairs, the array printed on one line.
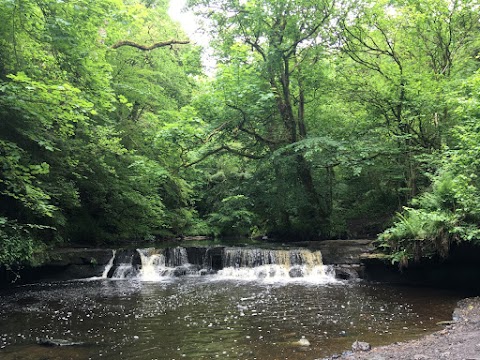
[[109, 265], [274, 265], [125, 265], [152, 264]]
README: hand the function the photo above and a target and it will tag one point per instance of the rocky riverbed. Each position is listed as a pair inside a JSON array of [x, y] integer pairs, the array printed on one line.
[[458, 341]]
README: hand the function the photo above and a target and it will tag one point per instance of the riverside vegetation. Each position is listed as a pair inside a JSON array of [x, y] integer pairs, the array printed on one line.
[[324, 119]]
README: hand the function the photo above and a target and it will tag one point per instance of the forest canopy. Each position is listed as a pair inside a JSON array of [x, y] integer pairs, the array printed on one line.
[[323, 119]]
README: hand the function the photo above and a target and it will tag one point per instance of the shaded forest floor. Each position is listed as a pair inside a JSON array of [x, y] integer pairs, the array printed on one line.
[[458, 341]]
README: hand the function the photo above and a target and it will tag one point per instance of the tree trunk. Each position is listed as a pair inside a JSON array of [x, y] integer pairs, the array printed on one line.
[[315, 214], [318, 214], [302, 130]]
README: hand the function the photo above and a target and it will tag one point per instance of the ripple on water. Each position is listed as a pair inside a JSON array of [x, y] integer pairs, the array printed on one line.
[[195, 318]]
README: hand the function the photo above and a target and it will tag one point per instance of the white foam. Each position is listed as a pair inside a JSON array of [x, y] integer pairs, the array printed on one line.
[[244, 264]]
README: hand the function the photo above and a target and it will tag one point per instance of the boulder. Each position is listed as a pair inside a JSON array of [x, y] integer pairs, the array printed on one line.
[[347, 272]]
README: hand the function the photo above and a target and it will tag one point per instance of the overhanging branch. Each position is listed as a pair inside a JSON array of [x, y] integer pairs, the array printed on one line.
[[250, 132], [151, 47], [204, 156], [226, 148]]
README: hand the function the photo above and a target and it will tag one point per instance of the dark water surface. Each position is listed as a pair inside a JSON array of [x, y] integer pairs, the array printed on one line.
[[204, 318]]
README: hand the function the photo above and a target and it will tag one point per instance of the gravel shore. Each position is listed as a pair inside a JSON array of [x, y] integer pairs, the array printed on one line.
[[458, 341]]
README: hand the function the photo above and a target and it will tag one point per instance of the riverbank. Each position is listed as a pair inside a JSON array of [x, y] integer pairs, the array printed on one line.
[[458, 341]]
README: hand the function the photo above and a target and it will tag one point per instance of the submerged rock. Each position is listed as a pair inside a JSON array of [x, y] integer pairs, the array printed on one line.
[[302, 342], [57, 342]]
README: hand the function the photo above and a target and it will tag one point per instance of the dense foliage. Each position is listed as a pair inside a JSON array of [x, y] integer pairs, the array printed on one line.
[[88, 131], [450, 210], [323, 119]]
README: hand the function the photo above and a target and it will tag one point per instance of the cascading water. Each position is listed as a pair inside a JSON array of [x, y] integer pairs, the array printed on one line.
[[109, 265], [153, 265], [274, 265], [223, 263]]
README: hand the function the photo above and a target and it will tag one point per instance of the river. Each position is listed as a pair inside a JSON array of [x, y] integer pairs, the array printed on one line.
[[234, 314]]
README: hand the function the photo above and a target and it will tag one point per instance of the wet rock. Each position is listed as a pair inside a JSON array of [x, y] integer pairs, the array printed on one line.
[[295, 273], [361, 346], [204, 272], [213, 258], [343, 251], [63, 264], [66, 257], [180, 271], [346, 273], [445, 323], [196, 255]]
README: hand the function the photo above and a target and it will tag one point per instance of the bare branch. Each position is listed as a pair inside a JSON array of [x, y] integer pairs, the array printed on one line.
[[238, 152], [204, 156], [253, 133], [241, 153], [217, 130], [151, 47], [256, 46]]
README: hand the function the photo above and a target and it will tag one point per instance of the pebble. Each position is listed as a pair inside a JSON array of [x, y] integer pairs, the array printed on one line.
[[361, 346], [420, 357]]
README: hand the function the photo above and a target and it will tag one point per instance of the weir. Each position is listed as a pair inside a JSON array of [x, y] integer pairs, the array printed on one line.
[[151, 264]]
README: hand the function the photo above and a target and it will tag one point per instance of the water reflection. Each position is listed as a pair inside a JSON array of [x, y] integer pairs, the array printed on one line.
[[196, 318]]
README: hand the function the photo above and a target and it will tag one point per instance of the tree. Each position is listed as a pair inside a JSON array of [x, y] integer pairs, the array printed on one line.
[[406, 59], [267, 48], [43, 66], [76, 124]]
